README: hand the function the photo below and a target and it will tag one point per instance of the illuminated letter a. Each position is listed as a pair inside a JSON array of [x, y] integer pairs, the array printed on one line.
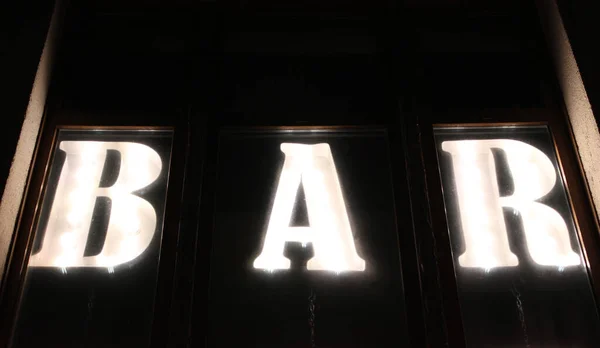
[[329, 231]]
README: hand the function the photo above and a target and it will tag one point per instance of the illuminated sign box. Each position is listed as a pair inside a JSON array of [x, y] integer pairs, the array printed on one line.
[[97, 240], [515, 245], [305, 219]]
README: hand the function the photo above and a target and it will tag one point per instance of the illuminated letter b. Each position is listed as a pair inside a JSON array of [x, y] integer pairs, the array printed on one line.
[[132, 219]]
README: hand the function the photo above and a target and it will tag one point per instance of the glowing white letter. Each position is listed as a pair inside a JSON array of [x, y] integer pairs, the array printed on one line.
[[132, 219], [485, 235], [329, 231]]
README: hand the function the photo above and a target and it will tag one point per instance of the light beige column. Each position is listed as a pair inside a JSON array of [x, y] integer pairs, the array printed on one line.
[[581, 117], [16, 182]]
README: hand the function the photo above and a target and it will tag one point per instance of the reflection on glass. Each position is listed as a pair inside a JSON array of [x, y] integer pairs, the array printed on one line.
[[94, 263], [516, 254]]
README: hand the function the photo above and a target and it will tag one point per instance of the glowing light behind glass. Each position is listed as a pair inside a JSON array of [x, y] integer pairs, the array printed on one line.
[[484, 229], [329, 232], [132, 221]]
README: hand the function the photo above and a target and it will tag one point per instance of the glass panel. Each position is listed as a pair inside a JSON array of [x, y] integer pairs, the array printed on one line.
[[92, 273], [522, 281], [305, 246]]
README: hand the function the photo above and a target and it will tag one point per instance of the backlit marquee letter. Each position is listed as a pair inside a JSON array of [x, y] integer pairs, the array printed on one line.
[[482, 218], [329, 231], [132, 219]]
